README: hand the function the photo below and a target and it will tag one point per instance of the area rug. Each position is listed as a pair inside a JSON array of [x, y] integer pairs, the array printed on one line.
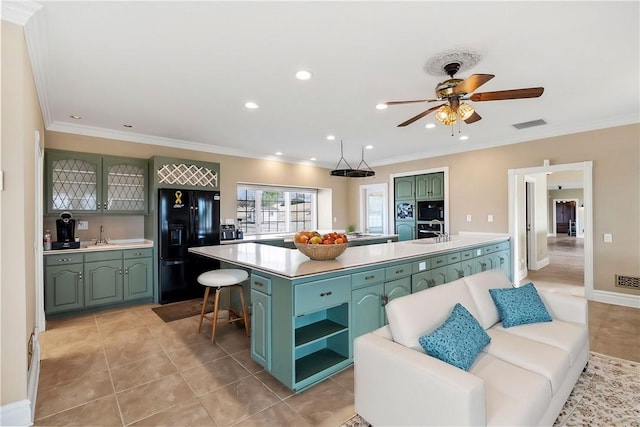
[[606, 394], [182, 309]]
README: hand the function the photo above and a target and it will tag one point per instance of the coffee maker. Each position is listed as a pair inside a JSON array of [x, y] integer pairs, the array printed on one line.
[[65, 232]]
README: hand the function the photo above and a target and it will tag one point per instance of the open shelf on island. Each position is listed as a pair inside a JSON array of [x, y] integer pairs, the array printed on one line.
[[316, 362], [318, 330]]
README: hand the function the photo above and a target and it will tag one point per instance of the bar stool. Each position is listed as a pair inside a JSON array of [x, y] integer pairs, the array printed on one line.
[[219, 279]]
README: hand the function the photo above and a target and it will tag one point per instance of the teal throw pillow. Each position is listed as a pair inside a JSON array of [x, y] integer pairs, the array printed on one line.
[[458, 341], [519, 306]]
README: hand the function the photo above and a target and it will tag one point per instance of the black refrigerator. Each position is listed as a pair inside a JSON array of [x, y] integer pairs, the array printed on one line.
[[187, 218]]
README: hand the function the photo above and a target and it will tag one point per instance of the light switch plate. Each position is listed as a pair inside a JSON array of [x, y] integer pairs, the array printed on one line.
[[489, 218], [83, 225], [468, 218], [608, 237]]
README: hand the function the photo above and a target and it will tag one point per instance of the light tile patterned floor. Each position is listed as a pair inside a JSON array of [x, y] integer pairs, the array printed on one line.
[[128, 367]]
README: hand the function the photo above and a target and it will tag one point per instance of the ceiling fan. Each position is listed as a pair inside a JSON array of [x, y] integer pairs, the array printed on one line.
[[455, 91]]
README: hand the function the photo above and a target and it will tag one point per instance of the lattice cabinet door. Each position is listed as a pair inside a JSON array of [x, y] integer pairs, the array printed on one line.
[[72, 182], [124, 185]]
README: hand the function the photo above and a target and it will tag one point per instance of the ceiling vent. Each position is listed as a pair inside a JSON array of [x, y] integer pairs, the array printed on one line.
[[530, 124]]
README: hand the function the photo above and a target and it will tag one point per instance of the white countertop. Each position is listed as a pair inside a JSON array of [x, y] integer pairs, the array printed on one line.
[[111, 246], [289, 238], [291, 263]]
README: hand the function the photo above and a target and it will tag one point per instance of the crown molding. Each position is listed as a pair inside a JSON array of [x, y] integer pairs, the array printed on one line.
[[19, 12], [140, 138]]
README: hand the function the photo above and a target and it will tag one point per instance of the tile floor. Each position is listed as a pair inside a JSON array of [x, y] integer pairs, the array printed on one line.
[[128, 367]]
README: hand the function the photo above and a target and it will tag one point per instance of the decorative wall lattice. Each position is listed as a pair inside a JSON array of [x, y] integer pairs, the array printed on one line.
[[187, 175], [125, 188], [74, 185]]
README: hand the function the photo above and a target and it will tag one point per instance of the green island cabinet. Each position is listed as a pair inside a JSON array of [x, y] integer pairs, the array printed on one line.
[[90, 183], [83, 281], [303, 327]]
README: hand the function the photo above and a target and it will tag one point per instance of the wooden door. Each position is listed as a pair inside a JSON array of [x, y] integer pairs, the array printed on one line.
[[565, 212]]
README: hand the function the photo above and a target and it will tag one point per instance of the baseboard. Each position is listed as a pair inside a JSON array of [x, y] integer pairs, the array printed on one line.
[[616, 298], [34, 375], [16, 413], [541, 264]]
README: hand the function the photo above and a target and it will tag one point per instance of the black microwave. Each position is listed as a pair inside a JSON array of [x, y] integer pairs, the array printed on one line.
[[430, 210]]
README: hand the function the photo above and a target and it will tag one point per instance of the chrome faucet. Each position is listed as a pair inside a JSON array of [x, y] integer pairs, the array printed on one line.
[[441, 236], [101, 241], [437, 221]]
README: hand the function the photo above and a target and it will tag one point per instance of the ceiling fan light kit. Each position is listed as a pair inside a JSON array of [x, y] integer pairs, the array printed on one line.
[[455, 91]]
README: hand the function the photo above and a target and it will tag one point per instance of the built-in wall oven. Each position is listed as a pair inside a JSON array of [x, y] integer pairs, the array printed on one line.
[[430, 210], [428, 229]]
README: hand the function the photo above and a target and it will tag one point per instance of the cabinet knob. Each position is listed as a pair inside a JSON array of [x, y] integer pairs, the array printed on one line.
[[258, 284], [126, 270], [79, 275], [385, 300], [400, 271], [326, 294], [370, 277], [120, 271]]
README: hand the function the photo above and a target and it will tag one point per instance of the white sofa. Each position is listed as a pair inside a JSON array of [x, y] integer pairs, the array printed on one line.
[[523, 377]]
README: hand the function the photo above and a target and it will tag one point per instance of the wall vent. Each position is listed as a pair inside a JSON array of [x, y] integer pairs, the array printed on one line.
[[530, 124], [628, 282]]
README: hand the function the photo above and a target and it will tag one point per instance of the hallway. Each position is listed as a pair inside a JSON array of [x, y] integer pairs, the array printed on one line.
[[566, 262]]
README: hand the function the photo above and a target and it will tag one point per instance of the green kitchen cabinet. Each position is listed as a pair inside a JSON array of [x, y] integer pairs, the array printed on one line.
[[481, 263], [90, 183], [421, 281], [124, 185], [63, 287], [406, 230], [138, 273], [261, 320], [430, 186], [404, 187], [439, 276], [72, 182], [103, 282], [367, 311]]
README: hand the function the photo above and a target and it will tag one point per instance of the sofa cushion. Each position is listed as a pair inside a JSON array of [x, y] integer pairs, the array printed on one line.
[[458, 341], [514, 396], [479, 285], [571, 337], [546, 360], [519, 306], [415, 315]]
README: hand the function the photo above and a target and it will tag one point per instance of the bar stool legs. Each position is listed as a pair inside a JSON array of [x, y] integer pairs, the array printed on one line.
[[233, 315]]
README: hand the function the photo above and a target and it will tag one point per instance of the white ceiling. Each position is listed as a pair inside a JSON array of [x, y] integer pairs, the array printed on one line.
[[180, 72]]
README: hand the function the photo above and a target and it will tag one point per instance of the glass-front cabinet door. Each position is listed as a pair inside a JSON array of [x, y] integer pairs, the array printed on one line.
[[72, 182], [124, 185]]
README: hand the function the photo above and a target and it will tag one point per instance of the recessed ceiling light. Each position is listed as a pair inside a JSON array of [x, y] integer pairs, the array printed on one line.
[[303, 75], [75, 117], [128, 126], [382, 106], [368, 147], [464, 138], [313, 159], [278, 153], [251, 105], [430, 125], [331, 137]]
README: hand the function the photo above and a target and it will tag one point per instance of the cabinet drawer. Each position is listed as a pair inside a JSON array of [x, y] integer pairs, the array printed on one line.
[[367, 278], [439, 261], [495, 247], [261, 284], [63, 259], [321, 294], [421, 265], [102, 255], [467, 255], [397, 272], [137, 253], [453, 257]]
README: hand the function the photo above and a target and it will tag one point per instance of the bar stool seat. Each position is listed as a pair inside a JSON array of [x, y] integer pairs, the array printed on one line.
[[219, 279]]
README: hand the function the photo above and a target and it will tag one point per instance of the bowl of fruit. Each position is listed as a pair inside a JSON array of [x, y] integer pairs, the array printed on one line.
[[320, 247]]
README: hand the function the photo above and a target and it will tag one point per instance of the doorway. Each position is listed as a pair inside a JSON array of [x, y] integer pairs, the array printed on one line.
[[373, 209], [518, 218]]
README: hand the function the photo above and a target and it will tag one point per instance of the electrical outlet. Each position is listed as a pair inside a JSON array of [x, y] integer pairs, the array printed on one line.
[[489, 218], [608, 237], [335, 219], [83, 225], [468, 218]]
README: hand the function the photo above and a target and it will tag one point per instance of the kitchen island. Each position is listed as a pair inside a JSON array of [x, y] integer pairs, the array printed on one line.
[[306, 314]]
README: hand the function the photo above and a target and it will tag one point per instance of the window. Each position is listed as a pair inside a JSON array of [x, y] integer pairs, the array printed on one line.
[[271, 210]]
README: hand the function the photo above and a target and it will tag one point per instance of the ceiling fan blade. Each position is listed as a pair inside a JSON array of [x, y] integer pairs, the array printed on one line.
[[532, 92], [473, 118], [472, 83], [409, 102], [419, 116]]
